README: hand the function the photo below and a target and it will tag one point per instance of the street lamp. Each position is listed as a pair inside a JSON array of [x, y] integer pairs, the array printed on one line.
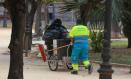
[[105, 70]]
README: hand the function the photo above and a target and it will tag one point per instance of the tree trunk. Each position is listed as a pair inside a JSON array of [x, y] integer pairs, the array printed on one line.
[[84, 12], [46, 17], [38, 20], [126, 20], [16, 9], [129, 42], [29, 23]]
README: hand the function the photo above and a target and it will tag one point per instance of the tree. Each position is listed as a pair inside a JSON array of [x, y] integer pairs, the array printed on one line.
[[88, 9], [16, 8], [126, 20], [38, 24], [84, 8], [31, 7], [93, 12]]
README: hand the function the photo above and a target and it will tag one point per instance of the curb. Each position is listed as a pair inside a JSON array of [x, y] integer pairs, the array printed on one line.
[[116, 65]]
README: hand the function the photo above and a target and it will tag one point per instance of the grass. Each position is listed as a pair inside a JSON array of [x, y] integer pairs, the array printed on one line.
[[120, 58], [119, 43], [120, 53]]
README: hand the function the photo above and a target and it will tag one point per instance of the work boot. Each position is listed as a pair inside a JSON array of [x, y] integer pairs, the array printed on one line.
[[69, 67], [90, 68], [75, 72]]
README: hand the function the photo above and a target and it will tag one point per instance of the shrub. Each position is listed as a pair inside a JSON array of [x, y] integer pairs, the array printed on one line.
[[96, 40]]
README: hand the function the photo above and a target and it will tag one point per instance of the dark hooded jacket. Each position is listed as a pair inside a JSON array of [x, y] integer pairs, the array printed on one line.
[[55, 31]]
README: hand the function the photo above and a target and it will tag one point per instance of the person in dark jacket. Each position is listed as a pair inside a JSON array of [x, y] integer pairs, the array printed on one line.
[[55, 31]]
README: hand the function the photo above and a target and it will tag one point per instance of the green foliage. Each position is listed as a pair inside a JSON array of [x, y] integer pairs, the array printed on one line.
[[69, 6], [76, 4], [96, 26], [95, 8], [49, 1], [116, 10], [96, 41]]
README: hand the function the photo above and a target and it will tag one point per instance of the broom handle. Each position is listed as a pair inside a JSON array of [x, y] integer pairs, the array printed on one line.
[[58, 48]]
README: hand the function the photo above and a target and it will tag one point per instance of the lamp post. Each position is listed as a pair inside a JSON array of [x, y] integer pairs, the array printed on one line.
[[105, 71]]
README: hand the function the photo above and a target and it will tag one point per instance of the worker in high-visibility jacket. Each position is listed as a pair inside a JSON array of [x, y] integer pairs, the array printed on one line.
[[80, 34]]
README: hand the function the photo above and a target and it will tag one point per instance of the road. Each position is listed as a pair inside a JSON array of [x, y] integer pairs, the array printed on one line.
[[35, 68]]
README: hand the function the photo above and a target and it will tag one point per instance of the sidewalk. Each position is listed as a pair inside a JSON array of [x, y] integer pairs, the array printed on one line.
[[37, 69]]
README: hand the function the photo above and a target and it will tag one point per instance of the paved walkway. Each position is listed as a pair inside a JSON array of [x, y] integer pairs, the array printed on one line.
[[37, 69]]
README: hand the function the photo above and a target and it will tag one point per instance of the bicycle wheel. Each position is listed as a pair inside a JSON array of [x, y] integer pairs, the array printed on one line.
[[53, 63]]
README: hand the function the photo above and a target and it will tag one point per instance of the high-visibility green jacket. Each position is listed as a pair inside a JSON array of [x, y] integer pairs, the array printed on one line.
[[79, 30]]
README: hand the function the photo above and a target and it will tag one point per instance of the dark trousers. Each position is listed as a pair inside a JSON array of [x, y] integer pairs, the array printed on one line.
[[49, 44]]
